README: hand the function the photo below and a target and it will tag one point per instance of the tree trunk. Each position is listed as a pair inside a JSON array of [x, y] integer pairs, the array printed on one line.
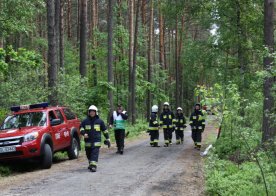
[[94, 40], [161, 37], [57, 29], [180, 66], [143, 12], [61, 35], [79, 5], [150, 58], [69, 20], [52, 66], [110, 55], [176, 64], [133, 95], [131, 45], [83, 37], [269, 129]]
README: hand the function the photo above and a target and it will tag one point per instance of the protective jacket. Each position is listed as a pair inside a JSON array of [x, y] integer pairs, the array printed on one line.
[[153, 123], [197, 120], [180, 122], [166, 119], [93, 128]]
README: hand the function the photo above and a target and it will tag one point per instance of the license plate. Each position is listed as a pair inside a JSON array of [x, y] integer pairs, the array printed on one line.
[[7, 149]]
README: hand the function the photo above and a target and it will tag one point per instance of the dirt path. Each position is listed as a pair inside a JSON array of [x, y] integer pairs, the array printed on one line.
[[142, 170]]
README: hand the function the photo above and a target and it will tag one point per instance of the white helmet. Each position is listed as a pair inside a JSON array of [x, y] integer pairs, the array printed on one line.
[[154, 108], [166, 103], [179, 108], [92, 107]]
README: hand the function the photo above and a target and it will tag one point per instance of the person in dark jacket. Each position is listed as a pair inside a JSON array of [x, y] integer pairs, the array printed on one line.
[[197, 123], [91, 129], [179, 122], [117, 120], [154, 127], [166, 121]]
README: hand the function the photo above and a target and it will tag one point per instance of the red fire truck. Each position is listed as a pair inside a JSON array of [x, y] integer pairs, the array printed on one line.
[[38, 131]]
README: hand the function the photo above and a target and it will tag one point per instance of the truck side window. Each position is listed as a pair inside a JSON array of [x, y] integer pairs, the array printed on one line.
[[69, 115], [59, 115], [51, 116]]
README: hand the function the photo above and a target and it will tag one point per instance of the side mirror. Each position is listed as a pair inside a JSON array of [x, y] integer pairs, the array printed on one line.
[[55, 122]]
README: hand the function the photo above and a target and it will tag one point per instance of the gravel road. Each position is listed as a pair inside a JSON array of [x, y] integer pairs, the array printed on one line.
[[142, 170]]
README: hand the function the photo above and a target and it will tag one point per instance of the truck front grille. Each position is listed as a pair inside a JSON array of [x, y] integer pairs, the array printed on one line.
[[11, 141]]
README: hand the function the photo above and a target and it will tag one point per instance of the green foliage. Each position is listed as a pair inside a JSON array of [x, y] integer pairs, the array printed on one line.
[[224, 177], [15, 16], [4, 171], [235, 163], [17, 83]]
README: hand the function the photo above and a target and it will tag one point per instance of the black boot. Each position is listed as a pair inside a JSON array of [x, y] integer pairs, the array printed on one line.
[[93, 168], [122, 151]]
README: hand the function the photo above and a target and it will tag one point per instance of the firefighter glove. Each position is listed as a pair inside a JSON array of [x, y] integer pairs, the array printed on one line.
[[107, 142]]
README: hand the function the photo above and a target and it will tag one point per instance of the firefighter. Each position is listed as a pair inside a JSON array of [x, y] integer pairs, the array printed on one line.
[[166, 121], [179, 122], [91, 129], [197, 123], [154, 127], [117, 120]]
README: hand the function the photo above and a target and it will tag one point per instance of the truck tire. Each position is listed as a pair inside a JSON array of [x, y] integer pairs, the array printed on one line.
[[73, 151], [47, 157]]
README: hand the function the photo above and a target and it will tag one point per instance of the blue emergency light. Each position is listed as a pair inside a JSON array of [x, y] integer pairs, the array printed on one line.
[[27, 107]]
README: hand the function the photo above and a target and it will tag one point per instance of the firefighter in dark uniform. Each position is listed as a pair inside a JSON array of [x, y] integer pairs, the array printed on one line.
[[117, 120], [154, 127], [180, 122], [166, 121], [197, 122], [91, 129]]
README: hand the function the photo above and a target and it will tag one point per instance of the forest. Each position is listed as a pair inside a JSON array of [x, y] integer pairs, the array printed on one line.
[[144, 52]]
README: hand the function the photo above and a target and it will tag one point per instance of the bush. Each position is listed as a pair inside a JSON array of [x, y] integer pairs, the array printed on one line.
[[224, 177]]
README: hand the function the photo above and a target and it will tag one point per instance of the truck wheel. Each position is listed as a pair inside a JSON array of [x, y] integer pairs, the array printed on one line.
[[47, 157], [73, 151]]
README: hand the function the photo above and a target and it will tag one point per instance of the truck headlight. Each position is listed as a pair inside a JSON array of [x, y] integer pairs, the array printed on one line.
[[30, 136]]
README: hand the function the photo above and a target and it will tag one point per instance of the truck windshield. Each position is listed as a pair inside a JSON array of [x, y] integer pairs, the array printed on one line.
[[25, 120]]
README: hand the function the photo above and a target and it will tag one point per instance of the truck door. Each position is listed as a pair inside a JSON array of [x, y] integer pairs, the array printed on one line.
[[57, 131], [64, 132]]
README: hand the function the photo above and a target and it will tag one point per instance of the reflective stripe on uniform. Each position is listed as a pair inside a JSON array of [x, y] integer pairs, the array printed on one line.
[[82, 129], [94, 163], [153, 128], [199, 127], [97, 127], [88, 144], [155, 122], [156, 141], [167, 141], [87, 127], [170, 116], [97, 144], [203, 123]]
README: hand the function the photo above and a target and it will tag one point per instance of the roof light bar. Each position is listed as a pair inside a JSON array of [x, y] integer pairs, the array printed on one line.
[[27, 107]]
